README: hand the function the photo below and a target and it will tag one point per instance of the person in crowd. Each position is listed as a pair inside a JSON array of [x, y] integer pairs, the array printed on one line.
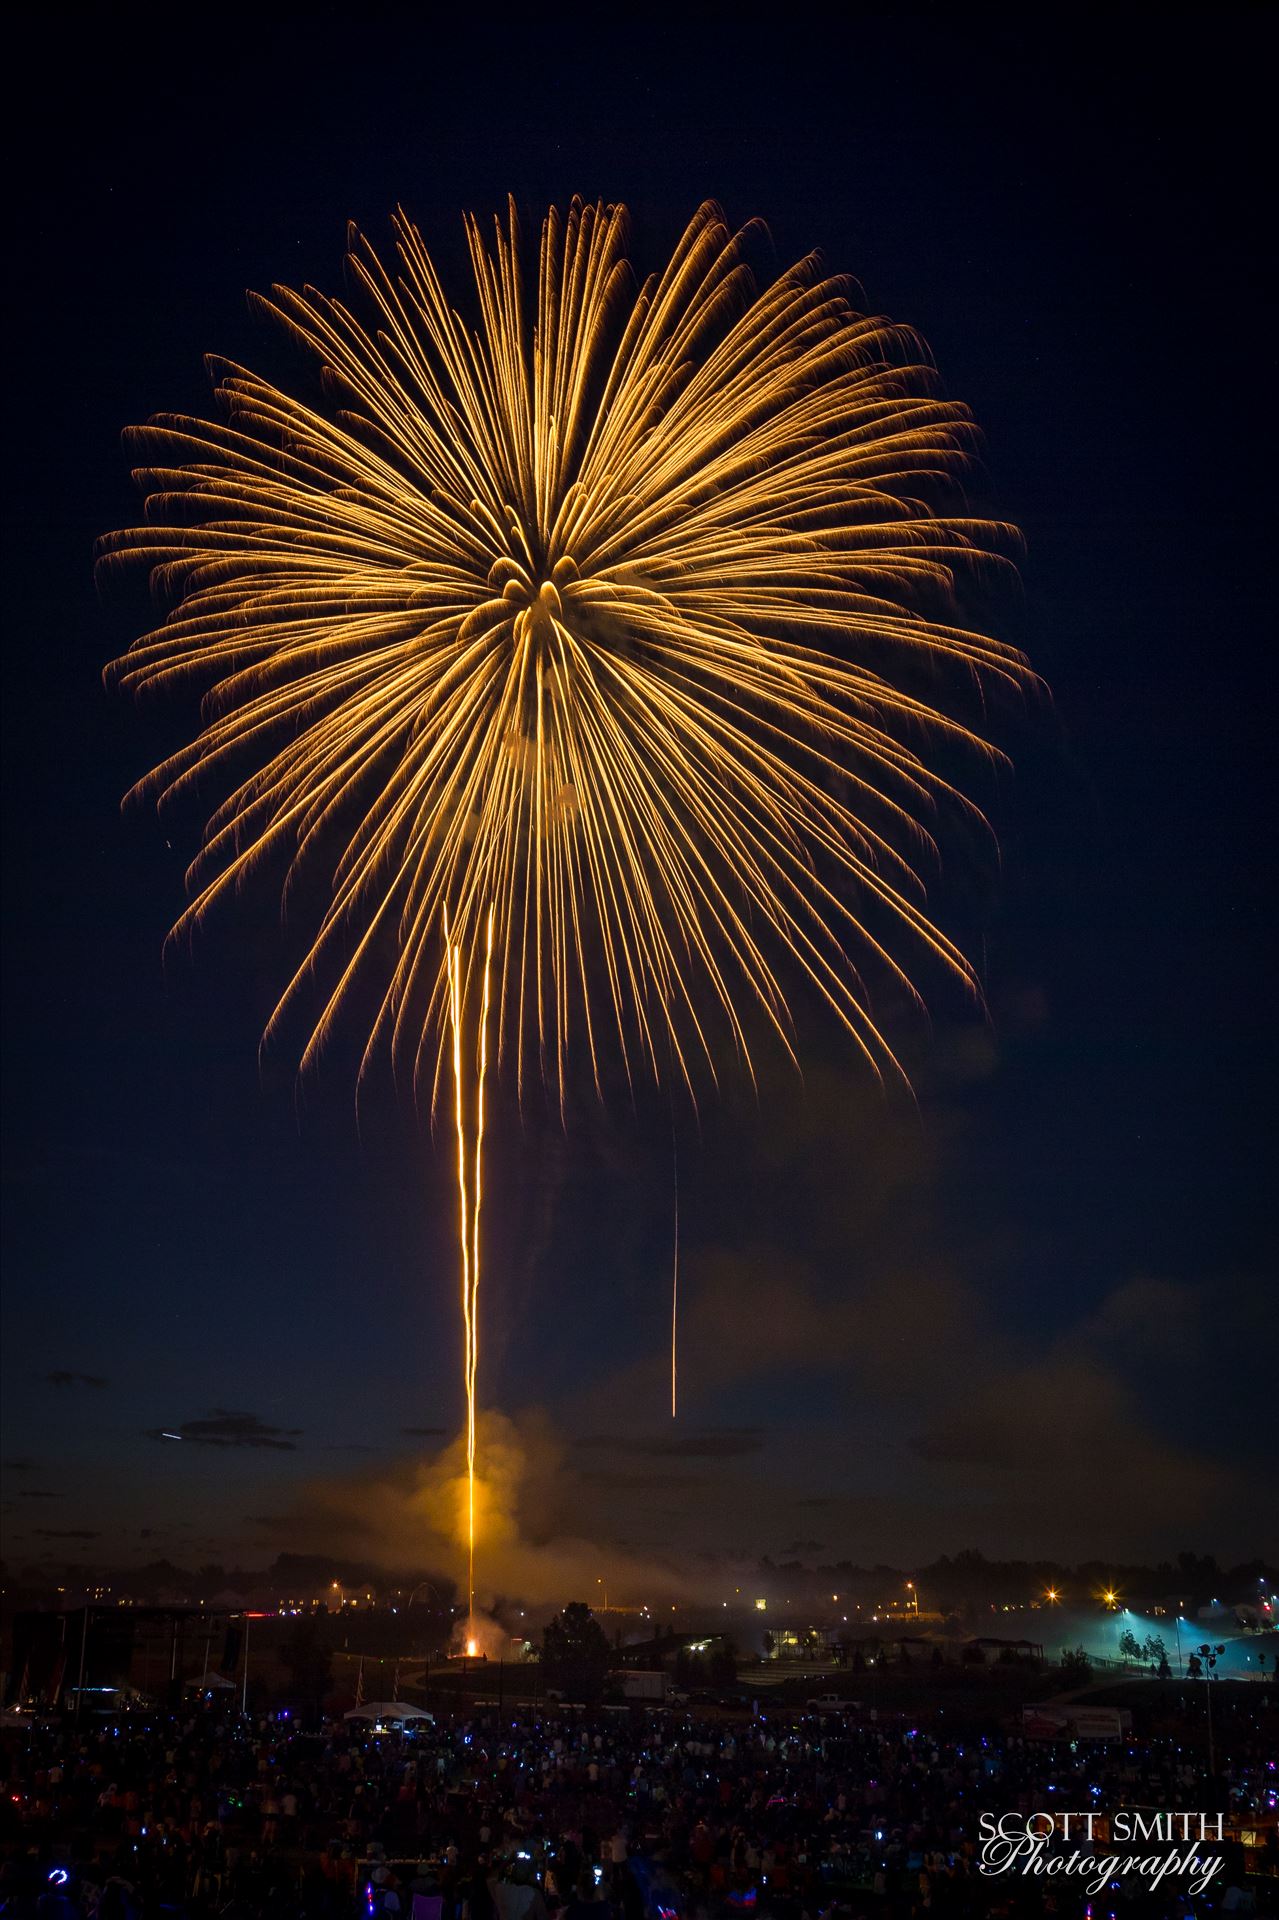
[[488, 1816]]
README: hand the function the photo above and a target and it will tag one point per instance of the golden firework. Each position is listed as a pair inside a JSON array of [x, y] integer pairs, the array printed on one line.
[[607, 613], [605, 633]]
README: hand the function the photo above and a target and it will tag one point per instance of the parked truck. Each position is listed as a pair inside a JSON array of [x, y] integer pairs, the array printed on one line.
[[637, 1684]]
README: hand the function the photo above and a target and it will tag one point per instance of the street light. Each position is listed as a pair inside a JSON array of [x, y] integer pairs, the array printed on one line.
[[914, 1594]]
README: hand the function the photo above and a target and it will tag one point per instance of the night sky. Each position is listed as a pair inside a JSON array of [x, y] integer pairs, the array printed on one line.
[[1030, 1314]]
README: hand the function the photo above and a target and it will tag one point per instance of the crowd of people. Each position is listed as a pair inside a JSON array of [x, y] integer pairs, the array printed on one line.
[[565, 1815]]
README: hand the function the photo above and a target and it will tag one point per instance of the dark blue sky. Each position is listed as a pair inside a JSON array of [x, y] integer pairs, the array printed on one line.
[[1030, 1316]]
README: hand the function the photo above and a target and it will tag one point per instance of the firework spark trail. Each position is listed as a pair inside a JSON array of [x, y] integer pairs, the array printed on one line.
[[470, 1202], [464, 1240], [473, 1376], [609, 632], [675, 1278]]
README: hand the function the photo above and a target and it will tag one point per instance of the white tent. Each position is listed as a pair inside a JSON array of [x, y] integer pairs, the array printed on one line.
[[387, 1710], [210, 1682]]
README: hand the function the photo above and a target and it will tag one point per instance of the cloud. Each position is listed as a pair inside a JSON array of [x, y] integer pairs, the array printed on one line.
[[222, 1427], [757, 1314], [1026, 1420], [424, 1433], [36, 1493], [64, 1377], [1159, 1316], [724, 1443], [19, 1466], [532, 1517], [66, 1533], [610, 1481], [982, 1427], [1073, 1413], [1069, 1432]]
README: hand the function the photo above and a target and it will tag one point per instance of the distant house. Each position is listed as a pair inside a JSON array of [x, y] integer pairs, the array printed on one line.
[[991, 1651], [799, 1643]]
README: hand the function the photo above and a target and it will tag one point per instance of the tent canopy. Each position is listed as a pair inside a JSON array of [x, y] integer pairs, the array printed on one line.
[[386, 1710]]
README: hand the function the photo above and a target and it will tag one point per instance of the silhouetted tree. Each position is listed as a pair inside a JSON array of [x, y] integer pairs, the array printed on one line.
[[1198, 1570], [575, 1653], [1155, 1652]]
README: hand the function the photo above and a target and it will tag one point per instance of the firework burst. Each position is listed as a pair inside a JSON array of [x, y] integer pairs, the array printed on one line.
[[589, 651], [603, 613]]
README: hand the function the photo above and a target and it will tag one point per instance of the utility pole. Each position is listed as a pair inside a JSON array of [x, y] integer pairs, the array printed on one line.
[[1212, 1759]]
